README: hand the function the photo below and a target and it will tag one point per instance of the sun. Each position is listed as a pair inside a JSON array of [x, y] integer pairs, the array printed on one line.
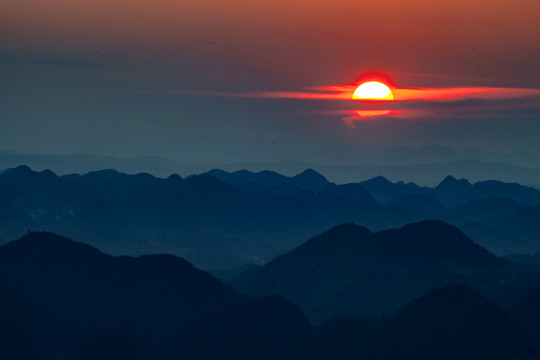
[[373, 90]]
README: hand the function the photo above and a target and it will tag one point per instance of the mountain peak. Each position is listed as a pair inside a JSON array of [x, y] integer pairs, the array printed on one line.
[[341, 236], [42, 243], [450, 183], [381, 180], [311, 180], [436, 240], [19, 170]]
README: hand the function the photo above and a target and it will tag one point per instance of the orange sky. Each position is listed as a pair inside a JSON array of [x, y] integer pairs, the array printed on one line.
[[323, 41]]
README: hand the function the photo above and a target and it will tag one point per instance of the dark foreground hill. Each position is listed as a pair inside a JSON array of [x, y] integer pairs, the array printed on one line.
[[453, 322], [62, 300], [87, 293], [349, 270]]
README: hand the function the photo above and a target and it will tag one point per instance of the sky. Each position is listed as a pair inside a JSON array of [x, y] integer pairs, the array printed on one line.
[[233, 81]]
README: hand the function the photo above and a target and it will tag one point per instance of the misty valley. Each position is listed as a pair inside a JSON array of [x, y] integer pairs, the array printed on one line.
[[258, 265]]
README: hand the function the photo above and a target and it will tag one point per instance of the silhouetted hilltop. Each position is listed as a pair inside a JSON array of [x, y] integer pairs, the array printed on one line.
[[453, 191], [436, 241], [101, 292], [349, 270], [264, 178], [310, 179], [94, 177], [452, 185], [24, 186], [60, 299], [385, 191]]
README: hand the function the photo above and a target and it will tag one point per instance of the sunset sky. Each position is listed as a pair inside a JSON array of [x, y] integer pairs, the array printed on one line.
[[213, 80]]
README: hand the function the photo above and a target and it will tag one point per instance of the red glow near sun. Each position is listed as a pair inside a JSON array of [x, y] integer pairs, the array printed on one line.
[[366, 114], [374, 95]]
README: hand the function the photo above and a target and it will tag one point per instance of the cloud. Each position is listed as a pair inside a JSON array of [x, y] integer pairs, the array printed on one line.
[[345, 92], [464, 103]]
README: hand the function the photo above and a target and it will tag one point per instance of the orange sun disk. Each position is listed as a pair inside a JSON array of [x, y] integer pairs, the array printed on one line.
[[373, 90]]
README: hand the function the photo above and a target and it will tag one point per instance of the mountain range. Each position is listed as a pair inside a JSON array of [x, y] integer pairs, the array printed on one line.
[[66, 300], [222, 220], [349, 270], [425, 166]]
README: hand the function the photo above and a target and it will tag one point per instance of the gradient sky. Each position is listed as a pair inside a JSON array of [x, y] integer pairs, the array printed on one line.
[[169, 78]]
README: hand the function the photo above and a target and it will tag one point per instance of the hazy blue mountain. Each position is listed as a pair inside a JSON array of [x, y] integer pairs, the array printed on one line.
[[349, 270], [453, 191], [310, 179], [96, 177], [526, 259], [351, 191], [71, 196], [24, 186], [216, 224], [258, 192], [385, 191], [485, 209], [515, 233], [265, 178], [423, 203], [424, 166]]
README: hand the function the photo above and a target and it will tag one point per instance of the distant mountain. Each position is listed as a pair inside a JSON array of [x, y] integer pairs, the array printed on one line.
[[526, 259], [217, 224], [517, 232], [265, 178], [454, 191], [423, 166], [386, 191], [349, 270], [94, 177], [25, 186], [422, 203], [351, 191], [310, 179], [486, 209]]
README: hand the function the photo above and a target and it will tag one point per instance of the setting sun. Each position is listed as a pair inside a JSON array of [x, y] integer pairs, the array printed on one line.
[[373, 90]]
